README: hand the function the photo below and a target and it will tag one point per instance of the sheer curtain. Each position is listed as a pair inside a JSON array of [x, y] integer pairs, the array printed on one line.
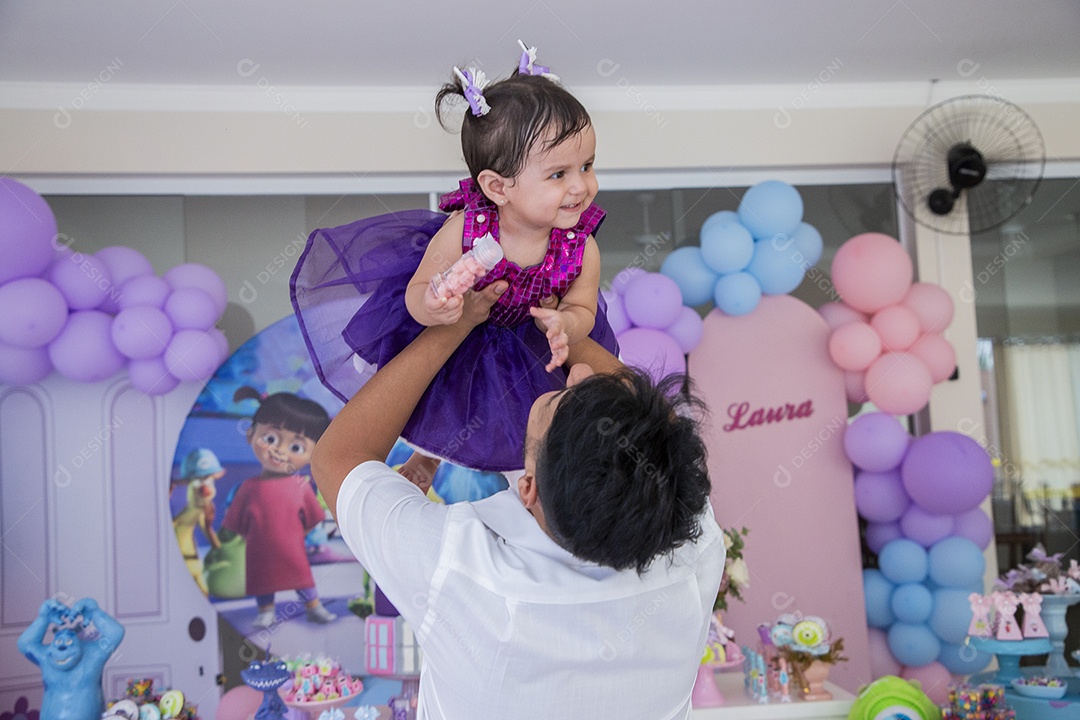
[[1042, 435]]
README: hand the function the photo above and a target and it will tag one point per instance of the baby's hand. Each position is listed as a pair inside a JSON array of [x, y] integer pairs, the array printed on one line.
[[553, 324], [443, 310]]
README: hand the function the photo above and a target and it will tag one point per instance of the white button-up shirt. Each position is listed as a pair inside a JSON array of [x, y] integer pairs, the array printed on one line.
[[512, 625]]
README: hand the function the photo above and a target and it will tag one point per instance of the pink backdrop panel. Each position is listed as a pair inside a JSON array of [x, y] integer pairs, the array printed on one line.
[[776, 456]]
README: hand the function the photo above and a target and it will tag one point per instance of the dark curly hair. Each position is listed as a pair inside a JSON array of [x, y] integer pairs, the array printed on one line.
[[287, 411], [525, 109], [621, 473]]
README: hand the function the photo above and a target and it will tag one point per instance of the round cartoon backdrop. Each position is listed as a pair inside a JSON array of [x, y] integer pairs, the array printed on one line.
[[250, 524]]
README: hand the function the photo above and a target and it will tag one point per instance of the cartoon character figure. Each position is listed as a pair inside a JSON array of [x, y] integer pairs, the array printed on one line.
[[199, 471], [1034, 627], [980, 615], [1006, 603], [275, 510], [72, 665], [892, 697], [266, 677]]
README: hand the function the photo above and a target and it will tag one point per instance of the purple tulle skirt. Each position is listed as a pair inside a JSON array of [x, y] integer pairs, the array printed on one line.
[[348, 292]]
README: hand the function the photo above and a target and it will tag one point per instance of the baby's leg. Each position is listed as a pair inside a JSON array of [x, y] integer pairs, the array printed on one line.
[[420, 469]]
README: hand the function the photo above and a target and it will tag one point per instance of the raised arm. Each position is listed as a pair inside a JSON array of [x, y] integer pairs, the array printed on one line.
[[442, 252], [31, 641], [370, 423], [110, 630]]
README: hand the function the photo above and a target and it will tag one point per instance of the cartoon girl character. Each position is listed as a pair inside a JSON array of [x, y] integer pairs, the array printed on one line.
[[530, 146], [275, 510]]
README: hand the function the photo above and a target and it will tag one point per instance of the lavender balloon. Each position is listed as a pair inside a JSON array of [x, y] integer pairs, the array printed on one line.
[[141, 332], [880, 497], [947, 473], [878, 535], [924, 527], [33, 314], [123, 263], [194, 275], [192, 355], [876, 441], [623, 278], [23, 366], [191, 309], [687, 329], [144, 290], [27, 231], [84, 351], [976, 526], [652, 300], [83, 280], [151, 376], [653, 351]]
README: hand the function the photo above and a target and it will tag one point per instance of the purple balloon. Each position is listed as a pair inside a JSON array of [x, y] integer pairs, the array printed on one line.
[[654, 351], [27, 231], [23, 366], [925, 528], [947, 473], [83, 350], [144, 290], [623, 278], [194, 275], [876, 441], [192, 355], [687, 329], [880, 496], [191, 309], [878, 535], [123, 263], [141, 332], [976, 526], [222, 342], [151, 376], [34, 312], [616, 313], [652, 300], [83, 280]]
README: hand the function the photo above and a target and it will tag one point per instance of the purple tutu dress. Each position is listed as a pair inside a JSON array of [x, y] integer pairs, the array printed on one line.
[[348, 291]]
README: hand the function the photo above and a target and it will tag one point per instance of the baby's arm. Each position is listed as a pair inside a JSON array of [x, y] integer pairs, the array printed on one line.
[[575, 316], [442, 252]]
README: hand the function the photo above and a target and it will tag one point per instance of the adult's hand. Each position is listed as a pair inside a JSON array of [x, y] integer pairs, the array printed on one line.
[[478, 304]]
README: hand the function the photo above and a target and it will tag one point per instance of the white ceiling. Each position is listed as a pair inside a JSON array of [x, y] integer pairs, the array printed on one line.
[[679, 42]]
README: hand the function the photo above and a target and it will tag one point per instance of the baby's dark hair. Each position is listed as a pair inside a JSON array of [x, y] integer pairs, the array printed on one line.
[[287, 411], [525, 109], [621, 473]]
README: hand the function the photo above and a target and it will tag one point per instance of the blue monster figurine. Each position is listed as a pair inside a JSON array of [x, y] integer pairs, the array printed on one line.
[[266, 677], [71, 666]]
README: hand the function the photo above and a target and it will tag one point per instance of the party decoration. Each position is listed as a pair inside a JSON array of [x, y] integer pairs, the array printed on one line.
[[764, 248], [27, 231], [652, 300], [880, 496], [913, 644], [947, 457], [912, 603], [72, 664], [872, 271], [924, 527], [876, 442], [86, 316]]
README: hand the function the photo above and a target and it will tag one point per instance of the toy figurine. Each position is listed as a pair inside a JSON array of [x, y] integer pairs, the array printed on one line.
[[1034, 627], [72, 665], [785, 681], [1005, 619], [980, 615], [266, 677]]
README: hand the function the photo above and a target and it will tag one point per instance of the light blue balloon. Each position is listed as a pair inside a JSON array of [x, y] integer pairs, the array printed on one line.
[[904, 561], [877, 590], [913, 645], [776, 267], [956, 562], [912, 603], [809, 244], [718, 218], [695, 279], [951, 616], [726, 247], [737, 294], [962, 659], [771, 208]]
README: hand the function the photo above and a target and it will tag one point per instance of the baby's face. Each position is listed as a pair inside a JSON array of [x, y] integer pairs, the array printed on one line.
[[280, 451], [557, 184]]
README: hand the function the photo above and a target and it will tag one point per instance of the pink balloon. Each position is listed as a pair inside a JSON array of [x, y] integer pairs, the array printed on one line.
[[23, 366], [33, 313], [192, 355], [191, 309], [872, 271], [897, 327], [623, 278], [194, 275], [687, 329], [83, 280], [882, 662], [240, 703], [899, 383], [141, 332], [938, 354], [837, 314], [854, 346], [652, 300], [934, 679], [855, 387], [931, 305], [83, 350], [151, 376], [123, 263], [144, 290], [976, 526], [878, 535], [651, 350], [616, 313], [27, 231]]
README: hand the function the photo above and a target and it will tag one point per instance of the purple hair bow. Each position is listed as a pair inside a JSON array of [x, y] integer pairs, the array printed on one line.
[[474, 81], [527, 64]]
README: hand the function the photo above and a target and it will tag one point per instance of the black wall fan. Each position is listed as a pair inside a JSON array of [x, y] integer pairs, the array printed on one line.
[[980, 148]]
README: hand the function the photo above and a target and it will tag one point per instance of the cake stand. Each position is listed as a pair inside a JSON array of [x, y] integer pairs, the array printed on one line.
[[1008, 654]]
